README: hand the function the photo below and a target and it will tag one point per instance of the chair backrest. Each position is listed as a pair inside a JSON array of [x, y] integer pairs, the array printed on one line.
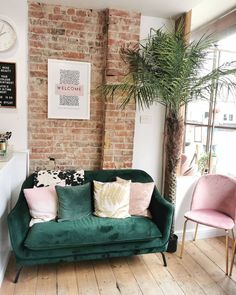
[[215, 191]]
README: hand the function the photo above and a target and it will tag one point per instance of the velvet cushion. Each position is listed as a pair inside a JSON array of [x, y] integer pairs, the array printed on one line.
[[42, 203], [140, 197], [91, 231], [74, 201], [111, 199]]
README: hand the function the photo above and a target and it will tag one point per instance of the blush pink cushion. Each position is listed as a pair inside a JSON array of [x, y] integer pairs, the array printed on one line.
[[140, 197], [210, 218], [42, 203]]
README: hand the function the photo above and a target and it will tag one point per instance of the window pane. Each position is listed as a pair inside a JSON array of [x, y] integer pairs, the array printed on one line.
[[223, 147], [195, 146], [225, 114], [226, 103], [198, 112]]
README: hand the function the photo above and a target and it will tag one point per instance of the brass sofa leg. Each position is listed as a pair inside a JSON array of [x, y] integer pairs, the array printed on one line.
[[164, 259], [17, 274]]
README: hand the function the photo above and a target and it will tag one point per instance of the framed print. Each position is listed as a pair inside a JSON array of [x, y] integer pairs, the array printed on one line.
[[7, 85], [68, 89]]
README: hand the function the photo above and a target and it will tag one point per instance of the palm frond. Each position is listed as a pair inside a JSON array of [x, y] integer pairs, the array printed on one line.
[[167, 70]]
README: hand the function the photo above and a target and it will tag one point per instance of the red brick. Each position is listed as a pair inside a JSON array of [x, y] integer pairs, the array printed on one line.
[[57, 10], [81, 13], [58, 17], [74, 55], [71, 11], [36, 14]]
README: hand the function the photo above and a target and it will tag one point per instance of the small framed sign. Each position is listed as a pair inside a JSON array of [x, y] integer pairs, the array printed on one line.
[[68, 89], [7, 85]]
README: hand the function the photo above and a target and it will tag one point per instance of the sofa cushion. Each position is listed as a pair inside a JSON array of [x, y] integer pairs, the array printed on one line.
[[90, 231], [140, 197], [74, 201], [53, 177], [111, 199], [42, 203]]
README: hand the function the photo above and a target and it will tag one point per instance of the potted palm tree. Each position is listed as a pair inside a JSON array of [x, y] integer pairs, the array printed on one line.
[[168, 70]]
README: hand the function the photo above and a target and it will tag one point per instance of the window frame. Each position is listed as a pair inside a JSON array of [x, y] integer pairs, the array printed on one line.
[[211, 126]]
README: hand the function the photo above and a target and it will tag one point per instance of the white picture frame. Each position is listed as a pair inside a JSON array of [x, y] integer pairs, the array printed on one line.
[[68, 89]]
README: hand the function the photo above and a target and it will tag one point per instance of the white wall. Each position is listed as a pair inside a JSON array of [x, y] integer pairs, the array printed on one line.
[[149, 123], [15, 120]]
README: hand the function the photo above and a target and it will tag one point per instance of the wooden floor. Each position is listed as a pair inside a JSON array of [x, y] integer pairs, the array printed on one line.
[[201, 271]]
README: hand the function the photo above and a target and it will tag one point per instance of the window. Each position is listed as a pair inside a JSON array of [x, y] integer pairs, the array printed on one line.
[[210, 127]]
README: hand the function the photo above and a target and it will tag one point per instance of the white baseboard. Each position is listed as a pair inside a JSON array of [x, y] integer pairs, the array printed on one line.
[[4, 264], [202, 233]]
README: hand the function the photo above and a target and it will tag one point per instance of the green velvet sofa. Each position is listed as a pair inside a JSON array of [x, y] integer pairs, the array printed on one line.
[[90, 237]]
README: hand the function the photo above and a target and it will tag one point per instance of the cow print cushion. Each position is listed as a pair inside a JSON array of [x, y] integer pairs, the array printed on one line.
[[52, 177]]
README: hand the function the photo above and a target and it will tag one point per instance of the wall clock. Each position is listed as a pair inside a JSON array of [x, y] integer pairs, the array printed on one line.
[[7, 35]]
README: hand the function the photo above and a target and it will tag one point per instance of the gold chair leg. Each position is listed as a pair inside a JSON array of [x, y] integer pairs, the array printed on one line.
[[232, 230], [183, 239], [227, 250], [233, 254], [195, 234]]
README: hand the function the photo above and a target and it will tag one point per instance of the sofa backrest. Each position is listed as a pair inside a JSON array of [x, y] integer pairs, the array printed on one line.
[[102, 175], [110, 175]]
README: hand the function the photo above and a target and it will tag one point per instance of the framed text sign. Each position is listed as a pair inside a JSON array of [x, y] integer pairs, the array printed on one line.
[[7, 85], [68, 89]]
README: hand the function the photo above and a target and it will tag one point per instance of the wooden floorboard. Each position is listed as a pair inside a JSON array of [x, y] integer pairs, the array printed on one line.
[[200, 271], [216, 273], [47, 280], [87, 282], [125, 279], [143, 276], [162, 274]]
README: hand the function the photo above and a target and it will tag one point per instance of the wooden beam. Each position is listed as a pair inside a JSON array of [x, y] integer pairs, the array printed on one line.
[[187, 24], [186, 18], [220, 27]]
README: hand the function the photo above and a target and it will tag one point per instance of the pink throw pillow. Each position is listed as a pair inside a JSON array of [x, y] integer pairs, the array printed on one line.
[[140, 197], [42, 203]]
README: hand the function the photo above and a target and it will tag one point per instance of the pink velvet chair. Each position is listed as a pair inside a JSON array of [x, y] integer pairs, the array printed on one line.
[[213, 204]]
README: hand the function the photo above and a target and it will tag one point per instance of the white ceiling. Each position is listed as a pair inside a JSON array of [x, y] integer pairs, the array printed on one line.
[[158, 8]]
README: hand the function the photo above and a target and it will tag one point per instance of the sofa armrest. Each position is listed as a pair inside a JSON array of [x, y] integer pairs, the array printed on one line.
[[18, 225], [162, 214], [18, 221]]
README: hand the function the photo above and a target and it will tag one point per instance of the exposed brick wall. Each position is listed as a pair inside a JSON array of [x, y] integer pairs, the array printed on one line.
[[123, 30], [60, 32]]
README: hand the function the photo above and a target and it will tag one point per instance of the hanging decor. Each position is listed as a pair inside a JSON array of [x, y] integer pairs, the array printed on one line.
[[7, 85], [68, 89]]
